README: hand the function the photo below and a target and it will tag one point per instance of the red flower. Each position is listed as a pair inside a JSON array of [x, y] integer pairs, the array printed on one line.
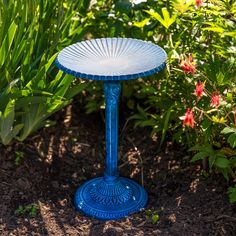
[[215, 99], [199, 89], [188, 119], [198, 3], [188, 65]]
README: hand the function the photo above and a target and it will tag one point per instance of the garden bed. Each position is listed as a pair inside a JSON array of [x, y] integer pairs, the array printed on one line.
[[39, 177]]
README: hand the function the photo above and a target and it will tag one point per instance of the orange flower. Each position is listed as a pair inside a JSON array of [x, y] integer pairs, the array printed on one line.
[[188, 65], [215, 99], [188, 118]]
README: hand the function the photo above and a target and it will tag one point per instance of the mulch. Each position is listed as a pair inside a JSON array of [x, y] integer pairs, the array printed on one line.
[[45, 170]]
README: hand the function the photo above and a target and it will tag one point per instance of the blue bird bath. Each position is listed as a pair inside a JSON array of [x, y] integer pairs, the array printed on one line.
[[111, 60]]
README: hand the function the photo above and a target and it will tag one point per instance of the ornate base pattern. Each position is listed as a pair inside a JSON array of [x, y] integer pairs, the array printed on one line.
[[110, 200]]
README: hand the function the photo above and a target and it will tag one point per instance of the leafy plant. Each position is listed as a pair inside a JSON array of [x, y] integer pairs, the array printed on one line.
[[217, 160], [232, 194], [18, 157], [166, 20], [153, 216], [30, 209], [232, 137], [31, 32]]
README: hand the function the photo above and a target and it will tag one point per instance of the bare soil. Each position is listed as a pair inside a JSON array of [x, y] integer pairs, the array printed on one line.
[[56, 160]]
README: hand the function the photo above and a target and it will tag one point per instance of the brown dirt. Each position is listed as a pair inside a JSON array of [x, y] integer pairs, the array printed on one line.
[[58, 159]]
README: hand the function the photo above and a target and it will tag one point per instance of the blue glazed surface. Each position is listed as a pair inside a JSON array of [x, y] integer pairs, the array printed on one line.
[[112, 91], [109, 201]]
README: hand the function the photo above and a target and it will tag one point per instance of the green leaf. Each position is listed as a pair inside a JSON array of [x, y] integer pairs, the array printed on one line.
[[215, 29], [166, 21], [232, 140], [211, 161], [7, 42], [78, 88], [166, 122], [228, 130], [199, 156], [233, 162], [225, 173], [8, 131], [155, 218], [222, 162], [145, 123], [198, 147], [33, 118], [7, 120], [142, 112], [232, 196], [64, 85]]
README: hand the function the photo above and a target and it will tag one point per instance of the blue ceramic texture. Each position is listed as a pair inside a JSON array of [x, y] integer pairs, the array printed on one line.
[[110, 201], [111, 59], [111, 197]]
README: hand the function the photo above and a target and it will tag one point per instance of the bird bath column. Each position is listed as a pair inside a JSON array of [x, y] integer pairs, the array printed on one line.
[[112, 93], [110, 197]]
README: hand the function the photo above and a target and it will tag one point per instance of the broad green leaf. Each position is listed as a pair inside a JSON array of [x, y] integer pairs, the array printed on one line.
[[222, 162], [166, 20], [228, 130], [232, 140], [12, 134], [199, 147], [33, 118], [199, 156]]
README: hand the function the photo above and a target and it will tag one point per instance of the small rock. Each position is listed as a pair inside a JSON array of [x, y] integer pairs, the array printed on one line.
[[74, 176]]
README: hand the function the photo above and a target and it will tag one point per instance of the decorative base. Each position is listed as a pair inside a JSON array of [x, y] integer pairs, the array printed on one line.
[[110, 200]]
